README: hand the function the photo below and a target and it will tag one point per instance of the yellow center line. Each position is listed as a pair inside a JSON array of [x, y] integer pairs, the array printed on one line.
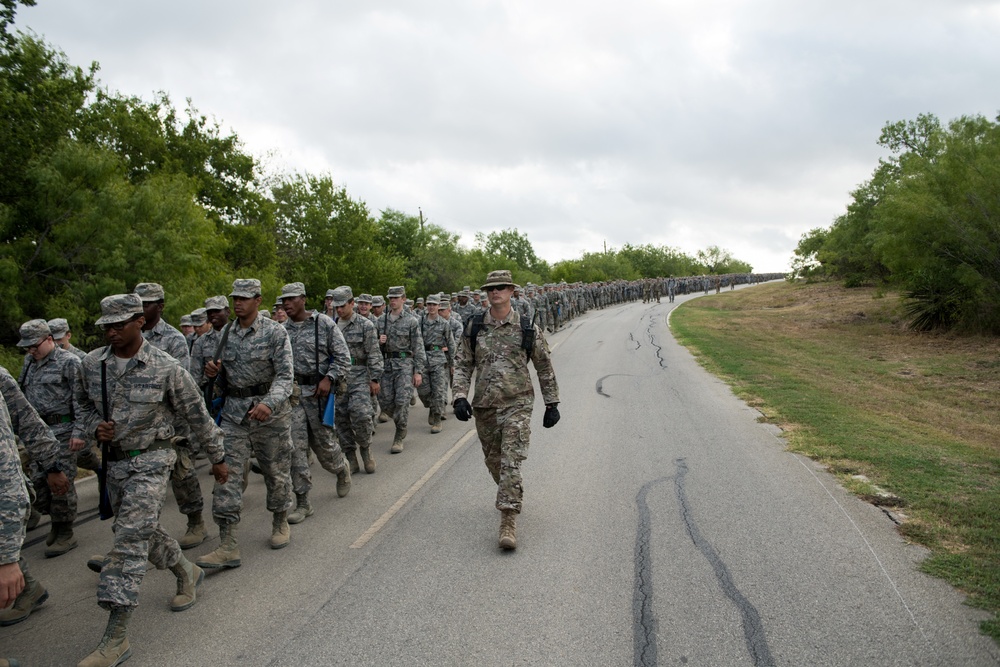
[[398, 505]]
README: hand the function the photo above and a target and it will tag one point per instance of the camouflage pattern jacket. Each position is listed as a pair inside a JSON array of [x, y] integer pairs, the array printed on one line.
[[145, 401], [402, 337], [203, 350], [13, 494], [259, 354], [501, 366], [362, 343], [438, 339], [49, 385], [167, 338], [334, 359], [28, 426]]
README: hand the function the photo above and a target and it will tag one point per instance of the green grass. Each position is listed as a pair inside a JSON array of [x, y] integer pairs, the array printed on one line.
[[852, 388]]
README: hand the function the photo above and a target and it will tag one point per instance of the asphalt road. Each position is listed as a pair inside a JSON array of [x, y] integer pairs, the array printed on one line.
[[663, 525]]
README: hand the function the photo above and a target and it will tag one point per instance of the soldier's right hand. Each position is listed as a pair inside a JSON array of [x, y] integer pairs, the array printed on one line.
[[106, 431], [212, 368], [11, 583], [463, 411]]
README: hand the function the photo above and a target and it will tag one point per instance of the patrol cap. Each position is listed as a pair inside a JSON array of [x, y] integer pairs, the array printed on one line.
[[33, 332], [342, 295], [246, 288], [119, 308], [186, 321], [149, 291], [292, 290], [409, 303], [420, 299], [433, 300], [264, 312], [377, 301], [364, 298], [329, 294], [199, 316], [216, 303], [59, 327], [445, 304], [397, 291]]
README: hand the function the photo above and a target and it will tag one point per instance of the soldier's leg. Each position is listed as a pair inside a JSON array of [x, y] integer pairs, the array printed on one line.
[[271, 444], [324, 444], [227, 499], [515, 431], [299, 465], [190, 501], [62, 509], [345, 429], [403, 381], [489, 437], [359, 415], [387, 391]]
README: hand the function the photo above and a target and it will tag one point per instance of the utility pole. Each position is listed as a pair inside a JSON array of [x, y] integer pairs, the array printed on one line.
[[421, 219]]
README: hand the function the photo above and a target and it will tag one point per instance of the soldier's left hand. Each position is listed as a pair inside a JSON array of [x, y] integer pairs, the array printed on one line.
[[551, 417], [76, 444], [260, 412], [220, 471], [323, 388], [417, 379], [58, 483]]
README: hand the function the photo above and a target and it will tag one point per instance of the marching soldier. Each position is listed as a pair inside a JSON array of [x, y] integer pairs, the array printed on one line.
[[438, 343], [403, 348]]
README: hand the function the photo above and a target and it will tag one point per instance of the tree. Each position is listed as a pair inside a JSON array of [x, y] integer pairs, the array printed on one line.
[[512, 245]]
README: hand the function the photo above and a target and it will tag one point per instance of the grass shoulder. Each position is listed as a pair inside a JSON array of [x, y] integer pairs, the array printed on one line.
[[906, 420]]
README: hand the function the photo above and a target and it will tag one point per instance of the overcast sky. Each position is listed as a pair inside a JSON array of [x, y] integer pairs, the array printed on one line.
[[735, 123]]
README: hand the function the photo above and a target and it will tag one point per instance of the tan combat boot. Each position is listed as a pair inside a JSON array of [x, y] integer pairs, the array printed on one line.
[[383, 417], [280, 533], [113, 649], [30, 599], [435, 420], [397, 441], [189, 578], [508, 530], [344, 481], [352, 460], [228, 553], [196, 532], [302, 509], [64, 540], [97, 562], [368, 459]]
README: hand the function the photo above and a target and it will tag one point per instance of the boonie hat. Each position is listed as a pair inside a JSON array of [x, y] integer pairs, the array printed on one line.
[[500, 278], [33, 332], [149, 291], [119, 308], [246, 288]]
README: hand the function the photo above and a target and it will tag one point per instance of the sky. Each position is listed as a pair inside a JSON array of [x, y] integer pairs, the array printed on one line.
[[736, 123]]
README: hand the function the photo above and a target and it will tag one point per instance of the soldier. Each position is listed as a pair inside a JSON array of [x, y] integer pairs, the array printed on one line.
[[464, 309], [187, 329], [328, 309], [438, 343], [203, 350], [403, 349], [280, 315], [21, 419], [419, 308], [365, 307], [321, 365], [378, 306], [131, 396], [257, 363], [353, 414], [184, 478], [61, 335], [497, 348], [48, 380], [199, 319]]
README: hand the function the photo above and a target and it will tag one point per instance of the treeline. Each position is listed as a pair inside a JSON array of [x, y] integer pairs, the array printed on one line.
[[927, 222], [100, 191]]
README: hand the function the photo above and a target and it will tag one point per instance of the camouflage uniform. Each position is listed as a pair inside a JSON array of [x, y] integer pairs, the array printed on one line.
[[504, 397], [354, 409], [14, 505], [49, 386], [145, 399], [165, 337], [438, 343], [404, 357], [331, 360]]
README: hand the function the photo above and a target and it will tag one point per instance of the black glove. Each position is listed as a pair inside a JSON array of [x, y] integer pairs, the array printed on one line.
[[551, 416], [462, 409]]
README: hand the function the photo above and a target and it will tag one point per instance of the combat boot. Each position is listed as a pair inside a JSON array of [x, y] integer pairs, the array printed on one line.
[[280, 533], [34, 519], [228, 553], [64, 540], [302, 509], [383, 417], [435, 422], [196, 532], [189, 578], [113, 649], [97, 563], [344, 482], [508, 530], [352, 460], [30, 599], [397, 441], [368, 459]]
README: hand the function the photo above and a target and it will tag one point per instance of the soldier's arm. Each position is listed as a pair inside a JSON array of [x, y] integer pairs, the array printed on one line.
[[187, 401], [13, 504], [337, 351], [85, 425], [417, 347], [376, 365], [543, 367], [464, 366], [179, 351], [284, 373], [29, 427]]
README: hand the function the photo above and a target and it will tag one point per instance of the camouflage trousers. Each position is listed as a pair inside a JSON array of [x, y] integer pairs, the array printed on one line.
[[353, 416], [59, 508], [433, 389], [504, 434], [137, 489], [309, 432], [184, 481], [271, 443], [396, 390]]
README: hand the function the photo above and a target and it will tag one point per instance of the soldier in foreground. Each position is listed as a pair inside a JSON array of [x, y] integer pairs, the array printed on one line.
[[131, 395], [321, 365], [496, 346]]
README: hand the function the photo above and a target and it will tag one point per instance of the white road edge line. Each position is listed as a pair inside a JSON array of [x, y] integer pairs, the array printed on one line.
[[399, 504]]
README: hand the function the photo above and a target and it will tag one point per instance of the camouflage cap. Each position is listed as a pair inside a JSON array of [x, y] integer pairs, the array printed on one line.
[[420, 299], [216, 303], [119, 308], [264, 312], [186, 321], [377, 301], [246, 288], [500, 278], [342, 295], [364, 298], [59, 327], [149, 291], [397, 291], [433, 300], [199, 316], [33, 332], [409, 303], [445, 304], [292, 290], [329, 294]]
